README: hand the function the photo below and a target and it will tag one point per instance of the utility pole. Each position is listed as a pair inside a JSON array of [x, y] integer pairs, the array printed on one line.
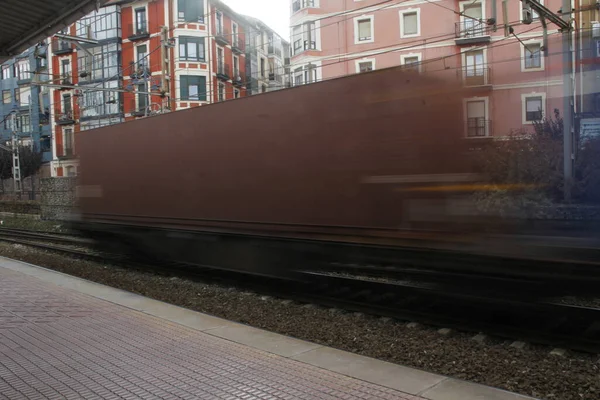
[[567, 103], [165, 45], [564, 24]]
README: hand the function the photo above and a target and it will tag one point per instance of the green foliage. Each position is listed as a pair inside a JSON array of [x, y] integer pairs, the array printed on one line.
[[534, 161]]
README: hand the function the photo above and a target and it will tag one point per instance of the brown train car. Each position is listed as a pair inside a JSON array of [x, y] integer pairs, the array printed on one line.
[[341, 160]]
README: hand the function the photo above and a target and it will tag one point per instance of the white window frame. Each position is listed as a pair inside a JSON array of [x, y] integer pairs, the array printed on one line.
[[486, 101], [364, 60], [462, 5], [524, 97], [410, 11], [356, 36], [419, 56], [526, 43]]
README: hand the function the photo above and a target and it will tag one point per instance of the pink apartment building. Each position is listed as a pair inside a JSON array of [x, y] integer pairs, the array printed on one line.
[[510, 79]]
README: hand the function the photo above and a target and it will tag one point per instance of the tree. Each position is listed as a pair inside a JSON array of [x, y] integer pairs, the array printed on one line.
[[534, 161], [30, 161]]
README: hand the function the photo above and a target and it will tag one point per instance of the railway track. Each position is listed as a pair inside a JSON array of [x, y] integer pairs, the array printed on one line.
[[402, 293]]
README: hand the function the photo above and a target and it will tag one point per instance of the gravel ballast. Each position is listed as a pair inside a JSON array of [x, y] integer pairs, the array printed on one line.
[[531, 371]]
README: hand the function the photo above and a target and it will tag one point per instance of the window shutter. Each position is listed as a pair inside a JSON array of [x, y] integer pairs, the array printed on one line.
[[184, 88]]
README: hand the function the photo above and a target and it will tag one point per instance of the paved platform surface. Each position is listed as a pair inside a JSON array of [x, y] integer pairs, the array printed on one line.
[[66, 338]]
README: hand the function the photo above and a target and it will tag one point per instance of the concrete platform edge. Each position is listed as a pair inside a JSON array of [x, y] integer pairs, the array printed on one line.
[[404, 379]]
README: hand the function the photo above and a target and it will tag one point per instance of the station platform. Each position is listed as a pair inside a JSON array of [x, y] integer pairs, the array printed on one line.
[[63, 337]]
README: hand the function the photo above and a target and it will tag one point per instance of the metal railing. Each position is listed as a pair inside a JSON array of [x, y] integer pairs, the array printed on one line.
[[470, 28], [479, 127], [238, 78], [64, 118], [223, 70], [476, 75], [138, 28], [223, 35], [66, 79], [238, 43], [139, 70]]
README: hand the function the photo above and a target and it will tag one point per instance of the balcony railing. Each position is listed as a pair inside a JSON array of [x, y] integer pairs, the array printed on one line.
[[238, 78], [223, 35], [139, 107], [301, 4], [65, 118], [139, 31], [472, 31], [238, 44], [479, 127], [223, 71], [61, 47], [66, 79], [139, 70], [477, 75]]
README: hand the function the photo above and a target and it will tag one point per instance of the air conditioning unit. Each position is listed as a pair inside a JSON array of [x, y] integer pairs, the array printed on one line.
[[595, 29]]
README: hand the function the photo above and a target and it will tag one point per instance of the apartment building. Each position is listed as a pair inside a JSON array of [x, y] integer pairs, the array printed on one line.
[[512, 81], [24, 109], [268, 58], [136, 58]]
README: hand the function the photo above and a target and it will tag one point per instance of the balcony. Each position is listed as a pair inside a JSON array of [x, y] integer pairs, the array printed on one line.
[[223, 37], [238, 79], [476, 76], [60, 47], [65, 118], [139, 70], [223, 71], [140, 107], [471, 31], [238, 45], [479, 127], [67, 81], [302, 4], [139, 31]]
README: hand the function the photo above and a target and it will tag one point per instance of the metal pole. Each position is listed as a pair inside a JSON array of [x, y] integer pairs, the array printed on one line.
[[567, 105]]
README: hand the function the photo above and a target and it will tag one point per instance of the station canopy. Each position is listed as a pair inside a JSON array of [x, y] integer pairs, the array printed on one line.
[[24, 23]]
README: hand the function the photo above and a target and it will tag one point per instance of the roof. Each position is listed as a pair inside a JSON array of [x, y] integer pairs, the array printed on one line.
[[24, 23]]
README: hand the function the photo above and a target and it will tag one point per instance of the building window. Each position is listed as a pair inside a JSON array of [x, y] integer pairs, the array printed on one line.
[[363, 30], [68, 133], [298, 5], [141, 26], [411, 61], [410, 25], [263, 71], [364, 66], [193, 88], [5, 72], [477, 121], [67, 109], [473, 21], [534, 107], [100, 25], [219, 17], [298, 76], [71, 171], [25, 123], [65, 70], [191, 49], [23, 96], [234, 34], [142, 51], [532, 57], [236, 94], [6, 96], [263, 89], [236, 67], [190, 10], [142, 98], [475, 70], [221, 92], [534, 13], [304, 37], [22, 70]]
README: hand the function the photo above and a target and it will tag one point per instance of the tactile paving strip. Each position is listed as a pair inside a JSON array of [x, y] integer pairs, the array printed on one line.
[[60, 344]]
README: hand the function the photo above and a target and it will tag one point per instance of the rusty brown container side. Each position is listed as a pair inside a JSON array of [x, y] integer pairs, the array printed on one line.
[[298, 156]]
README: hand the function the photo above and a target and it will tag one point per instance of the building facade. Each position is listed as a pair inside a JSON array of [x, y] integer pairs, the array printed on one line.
[[512, 81], [133, 59], [268, 58], [25, 107]]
